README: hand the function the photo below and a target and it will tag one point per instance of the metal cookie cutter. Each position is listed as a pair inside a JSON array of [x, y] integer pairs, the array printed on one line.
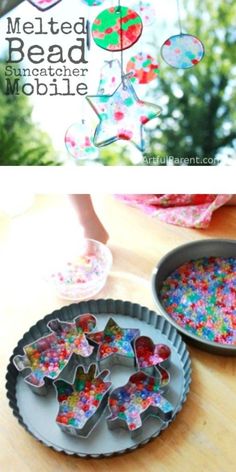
[[132, 403], [46, 357], [152, 358], [114, 345], [82, 402]]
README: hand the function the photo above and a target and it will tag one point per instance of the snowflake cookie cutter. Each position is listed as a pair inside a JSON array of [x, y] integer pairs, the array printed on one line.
[[82, 401], [45, 358]]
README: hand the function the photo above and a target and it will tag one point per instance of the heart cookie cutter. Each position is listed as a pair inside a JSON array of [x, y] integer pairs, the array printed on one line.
[[153, 358]]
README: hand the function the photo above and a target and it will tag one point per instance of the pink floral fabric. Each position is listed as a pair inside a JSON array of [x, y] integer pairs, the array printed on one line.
[[191, 211]]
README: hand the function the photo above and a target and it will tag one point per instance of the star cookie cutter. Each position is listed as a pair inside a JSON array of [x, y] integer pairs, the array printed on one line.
[[82, 401], [115, 345], [131, 404], [45, 358]]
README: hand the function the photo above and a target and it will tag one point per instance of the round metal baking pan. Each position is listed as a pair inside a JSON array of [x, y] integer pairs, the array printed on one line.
[[37, 414], [174, 259]]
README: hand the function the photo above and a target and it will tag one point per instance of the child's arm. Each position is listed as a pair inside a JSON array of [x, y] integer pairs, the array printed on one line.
[[93, 228]]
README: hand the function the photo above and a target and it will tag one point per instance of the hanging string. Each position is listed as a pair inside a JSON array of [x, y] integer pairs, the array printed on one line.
[[88, 38], [109, 62], [142, 42], [179, 17], [121, 45], [112, 53], [88, 46]]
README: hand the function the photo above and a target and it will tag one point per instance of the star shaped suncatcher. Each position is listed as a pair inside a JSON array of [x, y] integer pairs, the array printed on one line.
[[115, 342], [122, 115]]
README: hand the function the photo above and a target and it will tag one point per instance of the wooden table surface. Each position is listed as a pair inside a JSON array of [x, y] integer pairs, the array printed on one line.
[[203, 436]]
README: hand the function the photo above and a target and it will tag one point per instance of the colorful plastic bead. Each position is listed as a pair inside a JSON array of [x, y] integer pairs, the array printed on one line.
[[201, 297]]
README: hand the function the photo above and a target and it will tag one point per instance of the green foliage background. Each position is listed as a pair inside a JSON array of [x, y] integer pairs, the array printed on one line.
[[199, 111], [200, 117], [21, 141]]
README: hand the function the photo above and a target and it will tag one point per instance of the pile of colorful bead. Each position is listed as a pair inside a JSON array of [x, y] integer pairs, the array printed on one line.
[[129, 402], [201, 297], [86, 269], [49, 355], [150, 357], [80, 401], [114, 339], [76, 278], [114, 342]]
